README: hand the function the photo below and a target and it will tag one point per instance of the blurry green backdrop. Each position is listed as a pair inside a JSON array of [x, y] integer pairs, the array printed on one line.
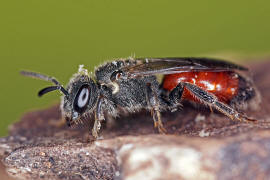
[[55, 36]]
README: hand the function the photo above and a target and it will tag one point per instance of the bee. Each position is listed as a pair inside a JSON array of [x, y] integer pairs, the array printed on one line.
[[132, 84]]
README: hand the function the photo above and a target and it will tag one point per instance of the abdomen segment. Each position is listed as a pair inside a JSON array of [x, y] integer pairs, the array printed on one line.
[[224, 85]]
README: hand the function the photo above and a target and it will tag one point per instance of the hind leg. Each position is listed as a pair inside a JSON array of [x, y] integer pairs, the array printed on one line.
[[175, 97], [212, 101]]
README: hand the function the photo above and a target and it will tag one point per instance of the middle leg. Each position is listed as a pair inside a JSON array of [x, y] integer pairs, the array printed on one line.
[[154, 104]]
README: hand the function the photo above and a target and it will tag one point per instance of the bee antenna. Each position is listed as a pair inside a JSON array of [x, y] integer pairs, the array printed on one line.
[[45, 78], [52, 88]]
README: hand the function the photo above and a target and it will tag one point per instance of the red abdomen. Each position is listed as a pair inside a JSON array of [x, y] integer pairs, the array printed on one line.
[[224, 85]]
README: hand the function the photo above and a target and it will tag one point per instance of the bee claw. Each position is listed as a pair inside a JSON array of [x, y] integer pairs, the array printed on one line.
[[250, 120], [162, 130], [244, 118], [160, 127]]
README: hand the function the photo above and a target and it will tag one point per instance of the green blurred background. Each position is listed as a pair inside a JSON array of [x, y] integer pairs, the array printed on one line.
[[55, 36]]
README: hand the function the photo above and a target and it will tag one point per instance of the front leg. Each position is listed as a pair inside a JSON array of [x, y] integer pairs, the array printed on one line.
[[99, 116]]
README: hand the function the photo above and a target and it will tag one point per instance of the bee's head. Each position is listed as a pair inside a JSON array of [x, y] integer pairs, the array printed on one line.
[[82, 98], [79, 98]]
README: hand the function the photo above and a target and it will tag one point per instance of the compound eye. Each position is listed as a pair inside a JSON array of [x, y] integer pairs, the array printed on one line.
[[82, 98]]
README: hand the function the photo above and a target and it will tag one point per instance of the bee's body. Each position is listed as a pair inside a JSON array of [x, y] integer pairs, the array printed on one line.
[[129, 94], [132, 85]]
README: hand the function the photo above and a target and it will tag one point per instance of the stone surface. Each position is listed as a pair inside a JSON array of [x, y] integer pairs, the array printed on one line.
[[199, 145]]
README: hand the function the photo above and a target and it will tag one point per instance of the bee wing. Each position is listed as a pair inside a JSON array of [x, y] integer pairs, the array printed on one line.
[[152, 66]]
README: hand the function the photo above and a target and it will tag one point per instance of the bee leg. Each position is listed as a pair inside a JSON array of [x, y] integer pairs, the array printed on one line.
[[157, 121], [212, 101], [175, 97], [99, 116], [211, 109], [153, 103]]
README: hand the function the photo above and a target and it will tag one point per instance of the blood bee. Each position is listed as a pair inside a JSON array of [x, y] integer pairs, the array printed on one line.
[[132, 85]]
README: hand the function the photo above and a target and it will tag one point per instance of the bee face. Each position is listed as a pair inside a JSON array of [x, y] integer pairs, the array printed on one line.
[[83, 93]]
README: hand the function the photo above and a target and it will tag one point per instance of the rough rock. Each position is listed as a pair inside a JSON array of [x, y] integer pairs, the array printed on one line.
[[199, 145]]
